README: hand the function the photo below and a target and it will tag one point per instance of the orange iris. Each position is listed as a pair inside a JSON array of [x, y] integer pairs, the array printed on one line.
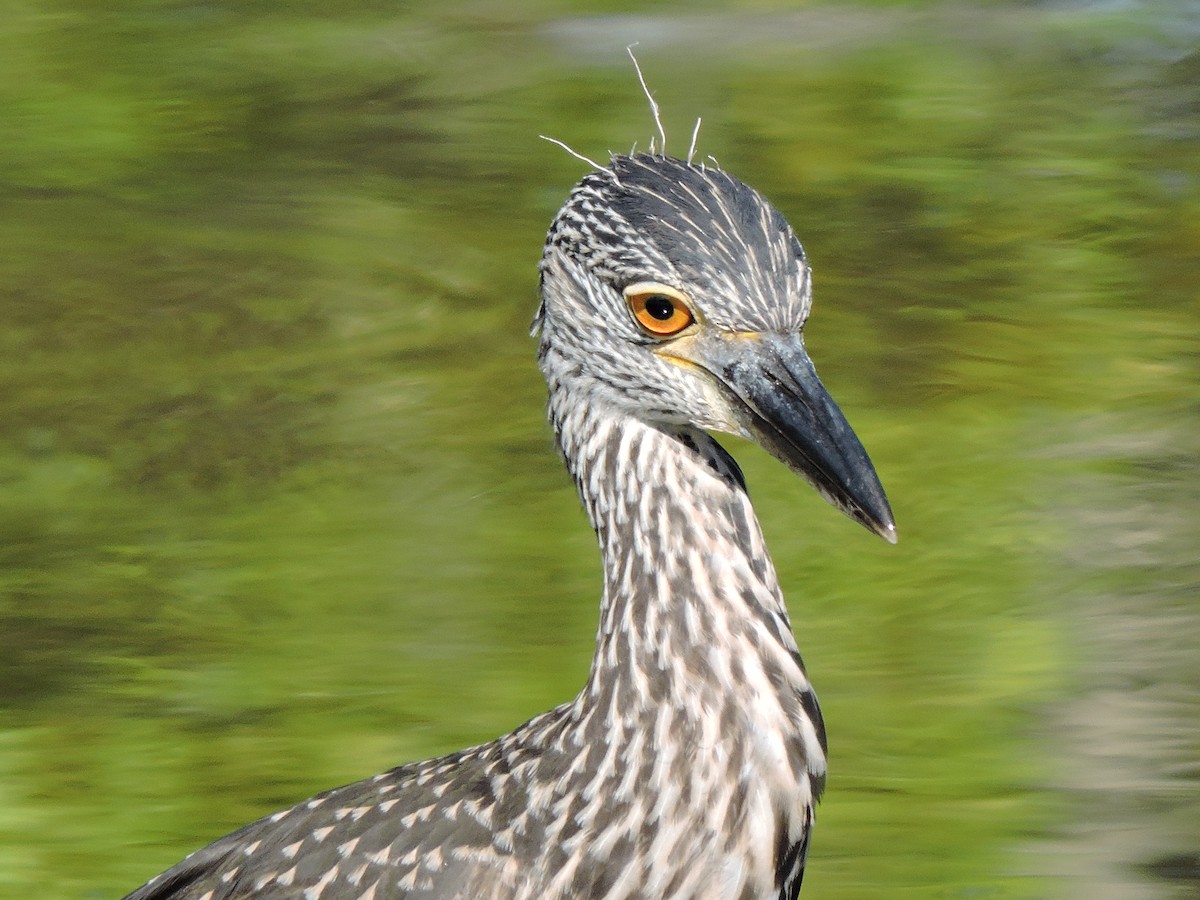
[[660, 310]]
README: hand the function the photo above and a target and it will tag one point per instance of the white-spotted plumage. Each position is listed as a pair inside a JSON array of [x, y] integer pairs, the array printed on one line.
[[688, 766]]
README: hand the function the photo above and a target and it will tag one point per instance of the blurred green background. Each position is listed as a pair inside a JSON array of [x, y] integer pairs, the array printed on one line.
[[279, 508]]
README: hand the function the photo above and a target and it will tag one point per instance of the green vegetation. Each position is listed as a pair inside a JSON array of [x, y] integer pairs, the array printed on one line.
[[278, 508]]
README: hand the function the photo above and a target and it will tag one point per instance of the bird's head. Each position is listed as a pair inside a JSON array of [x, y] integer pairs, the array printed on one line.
[[677, 294]]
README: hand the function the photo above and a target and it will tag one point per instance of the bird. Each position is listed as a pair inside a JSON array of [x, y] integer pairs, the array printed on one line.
[[673, 300]]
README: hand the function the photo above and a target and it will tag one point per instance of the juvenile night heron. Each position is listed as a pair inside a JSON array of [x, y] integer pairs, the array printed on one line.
[[673, 301]]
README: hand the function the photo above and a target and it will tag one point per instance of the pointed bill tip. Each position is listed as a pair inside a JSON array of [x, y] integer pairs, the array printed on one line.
[[873, 513], [888, 533]]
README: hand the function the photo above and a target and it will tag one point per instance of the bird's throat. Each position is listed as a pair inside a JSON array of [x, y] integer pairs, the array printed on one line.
[[691, 600]]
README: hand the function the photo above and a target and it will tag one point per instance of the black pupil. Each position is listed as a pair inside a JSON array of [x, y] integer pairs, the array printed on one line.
[[660, 307]]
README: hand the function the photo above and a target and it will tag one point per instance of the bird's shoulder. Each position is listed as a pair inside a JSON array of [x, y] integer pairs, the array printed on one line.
[[403, 829]]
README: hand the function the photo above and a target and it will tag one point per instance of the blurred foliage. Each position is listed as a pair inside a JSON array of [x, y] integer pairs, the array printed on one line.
[[279, 509]]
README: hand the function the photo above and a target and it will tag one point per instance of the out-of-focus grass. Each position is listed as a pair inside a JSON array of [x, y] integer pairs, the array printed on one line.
[[278, 506]]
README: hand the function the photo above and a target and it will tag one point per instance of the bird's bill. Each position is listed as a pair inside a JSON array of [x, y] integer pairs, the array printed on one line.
[[776, 397]]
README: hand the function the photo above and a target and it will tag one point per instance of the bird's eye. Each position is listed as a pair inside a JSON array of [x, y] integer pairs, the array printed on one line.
[[660, 310]]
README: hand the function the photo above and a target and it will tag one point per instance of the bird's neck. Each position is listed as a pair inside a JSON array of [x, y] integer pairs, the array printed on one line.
[[697, 708], [691, 603]]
